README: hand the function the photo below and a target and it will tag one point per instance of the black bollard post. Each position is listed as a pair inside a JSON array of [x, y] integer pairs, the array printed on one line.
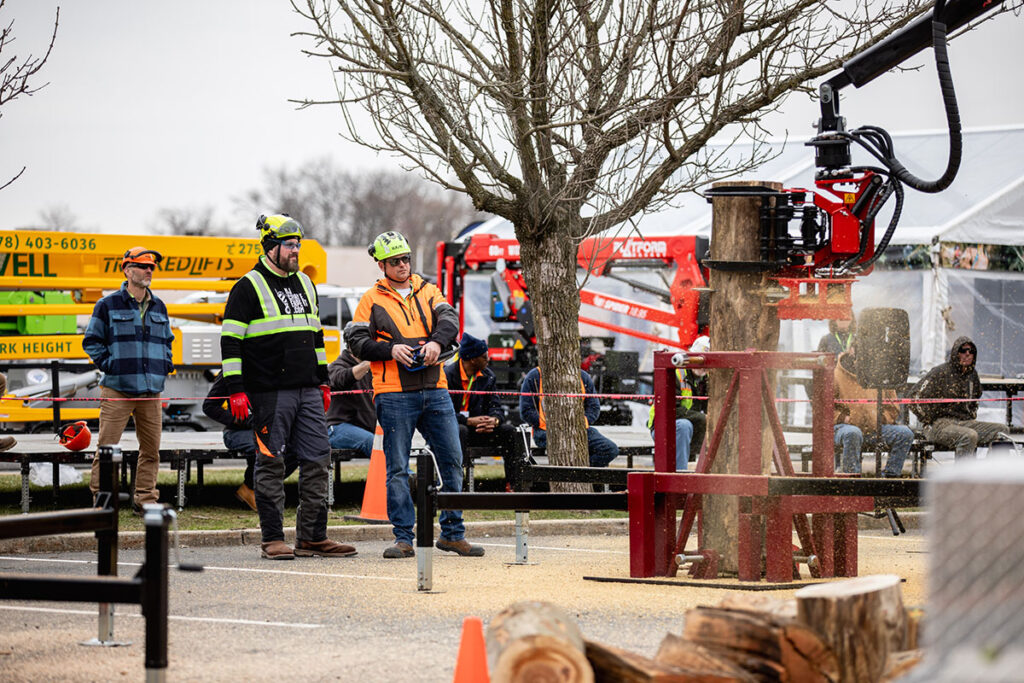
[[154, 590], [425, 497], [106, 539]]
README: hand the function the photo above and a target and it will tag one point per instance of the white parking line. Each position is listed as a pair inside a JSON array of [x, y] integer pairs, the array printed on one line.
[[544, 547], [216, 568], [212, 620]]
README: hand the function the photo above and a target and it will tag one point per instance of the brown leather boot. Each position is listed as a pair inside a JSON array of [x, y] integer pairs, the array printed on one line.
[[277, 550], [399, 550], [7, 443], [324, 548], [246, 495], [463, 547]]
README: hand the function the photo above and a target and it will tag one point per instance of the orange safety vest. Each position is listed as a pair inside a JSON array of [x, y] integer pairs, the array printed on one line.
[[467, 385], [540, 401], [395, 319]]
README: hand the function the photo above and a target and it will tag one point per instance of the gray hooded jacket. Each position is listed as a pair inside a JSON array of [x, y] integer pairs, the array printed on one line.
[[949, 380]]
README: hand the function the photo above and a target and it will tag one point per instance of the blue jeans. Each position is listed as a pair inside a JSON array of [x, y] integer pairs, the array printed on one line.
[[243, 441], [684, 433], [431, 412], [897, 438], [344, 435], [602, 450]]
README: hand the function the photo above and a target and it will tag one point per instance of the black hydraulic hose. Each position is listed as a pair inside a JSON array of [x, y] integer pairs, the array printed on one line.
[[952, 119], [879, 144]]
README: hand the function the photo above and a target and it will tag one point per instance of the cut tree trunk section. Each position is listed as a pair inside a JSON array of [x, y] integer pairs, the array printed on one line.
[[862, 620], [739, 321], [536, 642]]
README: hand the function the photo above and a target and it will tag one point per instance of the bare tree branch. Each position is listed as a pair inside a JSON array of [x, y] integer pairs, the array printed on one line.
[[16, 73], [570, 117]]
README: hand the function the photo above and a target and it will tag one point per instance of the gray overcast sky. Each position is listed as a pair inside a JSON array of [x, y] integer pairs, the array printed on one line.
[[154, 105]]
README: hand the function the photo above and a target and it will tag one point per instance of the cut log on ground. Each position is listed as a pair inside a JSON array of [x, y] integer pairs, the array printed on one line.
[[863, 620], [536, 642], [900, 664], [765, 646], [691, 656], [615, 665]]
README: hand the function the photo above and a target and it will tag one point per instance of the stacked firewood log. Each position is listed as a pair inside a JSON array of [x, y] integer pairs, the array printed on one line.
[[855, 630]]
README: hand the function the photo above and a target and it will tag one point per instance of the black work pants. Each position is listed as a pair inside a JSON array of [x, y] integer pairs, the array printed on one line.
[[504, 442]]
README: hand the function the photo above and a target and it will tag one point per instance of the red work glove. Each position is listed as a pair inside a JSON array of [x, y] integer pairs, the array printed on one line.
[[327, 396], [239, 404]]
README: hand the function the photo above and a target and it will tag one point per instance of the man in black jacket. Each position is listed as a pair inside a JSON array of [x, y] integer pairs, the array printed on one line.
[[953, 424], [351, 419], [275, 365], [481, 419]]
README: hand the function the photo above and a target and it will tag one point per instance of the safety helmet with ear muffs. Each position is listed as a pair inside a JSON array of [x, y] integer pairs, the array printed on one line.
[[277, 228], [75, 436], [141, 256]]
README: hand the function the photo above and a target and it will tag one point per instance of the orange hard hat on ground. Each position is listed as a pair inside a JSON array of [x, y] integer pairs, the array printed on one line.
[[75, 436], [141, 256]]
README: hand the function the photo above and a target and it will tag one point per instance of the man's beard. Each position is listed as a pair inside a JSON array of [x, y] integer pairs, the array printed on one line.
[[290, 263]]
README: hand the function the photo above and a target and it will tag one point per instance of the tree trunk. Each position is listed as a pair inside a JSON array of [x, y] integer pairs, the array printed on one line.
[[863, 620], [549, 256], [739, 321], [536, 641]]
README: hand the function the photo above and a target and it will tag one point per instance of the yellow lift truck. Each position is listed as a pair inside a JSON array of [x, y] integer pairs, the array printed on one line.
[[49, 282]]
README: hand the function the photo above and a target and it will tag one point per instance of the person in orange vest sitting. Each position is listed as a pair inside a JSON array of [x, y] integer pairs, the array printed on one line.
[[601, 449]]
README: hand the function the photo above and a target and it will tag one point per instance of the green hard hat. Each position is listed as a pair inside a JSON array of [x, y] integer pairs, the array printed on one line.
[[388, 244]]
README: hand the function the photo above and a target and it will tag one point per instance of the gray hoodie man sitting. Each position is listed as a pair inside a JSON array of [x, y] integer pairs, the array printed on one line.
[[952, 424]]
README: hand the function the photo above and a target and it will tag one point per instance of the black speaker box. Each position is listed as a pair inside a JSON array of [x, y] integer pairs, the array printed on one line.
[[882, 348]]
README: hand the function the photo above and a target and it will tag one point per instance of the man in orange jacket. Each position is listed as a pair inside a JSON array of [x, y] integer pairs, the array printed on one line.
[[402, 325]]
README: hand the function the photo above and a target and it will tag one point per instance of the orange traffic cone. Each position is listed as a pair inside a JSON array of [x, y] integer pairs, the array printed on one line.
[[471, 665], [375, 494]]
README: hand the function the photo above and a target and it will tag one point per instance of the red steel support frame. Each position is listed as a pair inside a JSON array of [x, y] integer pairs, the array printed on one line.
[[655, 497]]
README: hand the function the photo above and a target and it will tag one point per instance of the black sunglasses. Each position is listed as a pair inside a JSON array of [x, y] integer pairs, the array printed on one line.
[[145, 266], [398, 260], [967, 349]]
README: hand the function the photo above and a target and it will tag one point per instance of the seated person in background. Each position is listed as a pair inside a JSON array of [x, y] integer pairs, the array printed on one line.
[[853, 419], [480, 415], [601, 449], [351, 419], [840, 334], [691, 414], [238, 436], [953, 425]]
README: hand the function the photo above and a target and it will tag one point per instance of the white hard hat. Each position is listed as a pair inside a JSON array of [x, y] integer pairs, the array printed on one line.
[[700, 344]]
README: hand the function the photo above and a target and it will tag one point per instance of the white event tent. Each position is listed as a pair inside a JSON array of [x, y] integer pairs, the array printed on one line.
[[972, 282]]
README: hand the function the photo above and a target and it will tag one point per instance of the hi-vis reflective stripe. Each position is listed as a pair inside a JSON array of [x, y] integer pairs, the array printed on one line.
[[273, 320], [232, 366], [283, 323], [233, 328], [263, 293]]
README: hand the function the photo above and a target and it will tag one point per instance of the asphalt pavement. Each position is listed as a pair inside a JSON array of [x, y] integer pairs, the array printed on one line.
[[361, 618]]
